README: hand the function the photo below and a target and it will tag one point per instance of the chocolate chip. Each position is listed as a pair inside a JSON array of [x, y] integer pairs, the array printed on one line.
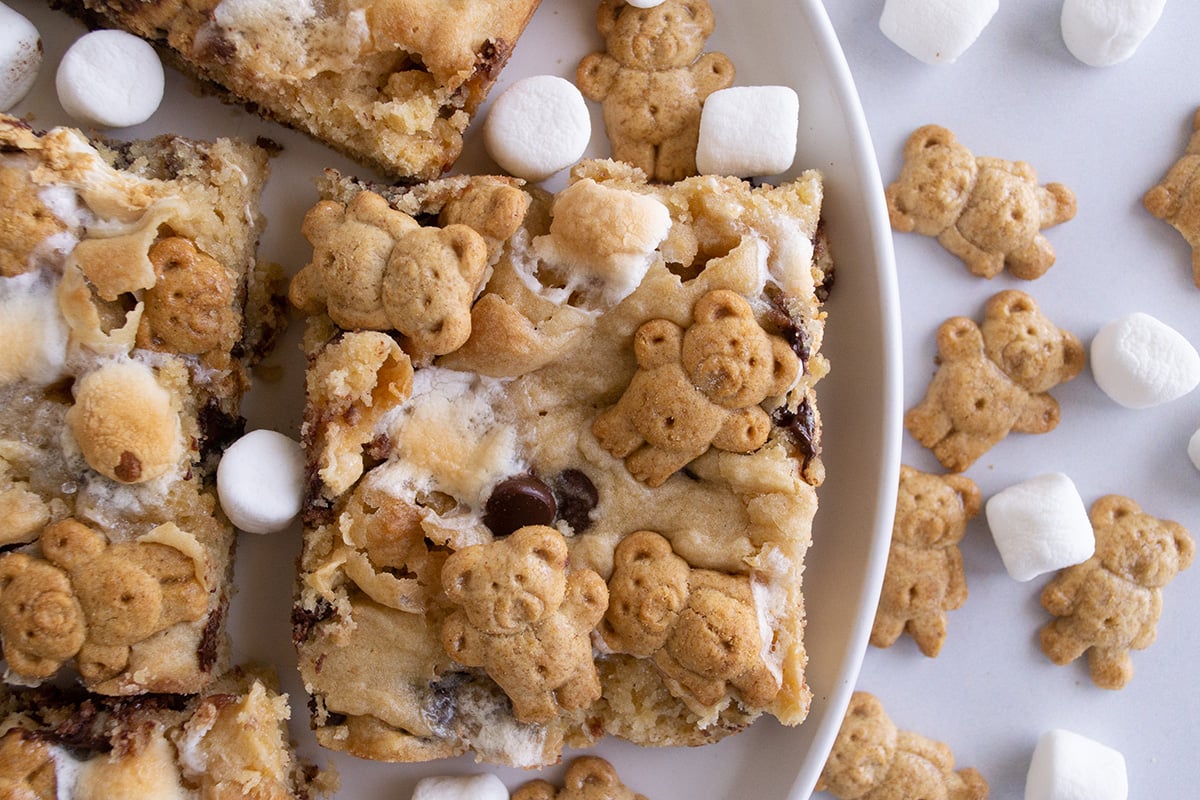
[[576, 496], [519, 501], [792, 332], [801, 424]]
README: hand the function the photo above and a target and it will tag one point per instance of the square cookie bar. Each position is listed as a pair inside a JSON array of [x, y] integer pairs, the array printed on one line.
[[563, 456], [391, 83], [229, 741], [130, 298]]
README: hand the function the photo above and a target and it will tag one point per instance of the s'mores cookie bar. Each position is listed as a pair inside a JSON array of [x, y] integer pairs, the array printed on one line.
[[129, 299], [228, 741], [391, 83], [563, 455]]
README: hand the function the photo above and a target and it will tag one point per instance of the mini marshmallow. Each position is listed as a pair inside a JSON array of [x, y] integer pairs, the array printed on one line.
[[260, 481], [1101, 33], [111, 79], [1140, 362], [748, 130], [936, 31], [20, 57], [1068, 766], [1040, 526], [538, 126], [1193, 449], [644, 3], [484, 786]]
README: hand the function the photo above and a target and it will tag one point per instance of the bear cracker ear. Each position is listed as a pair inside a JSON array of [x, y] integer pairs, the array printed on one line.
[[925, 137], [545, 544], [590, 771], [702, 13], [721, 304], [457, 575], [1185, 545], [968, 492], [1110, 509], [607, 15], [641, 547], [1008, 303]]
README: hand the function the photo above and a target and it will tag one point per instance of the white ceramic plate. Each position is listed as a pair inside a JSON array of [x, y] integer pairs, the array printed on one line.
[[770, 43]]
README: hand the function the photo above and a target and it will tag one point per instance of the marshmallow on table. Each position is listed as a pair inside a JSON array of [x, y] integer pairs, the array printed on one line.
[[936, 31], [747, 131], [111, 79], [538, 126], [1040, 526], [1068, 766], [260, 481], [484, 786], [1193, 449], [20, 57], [1140, 362], [1101, 33]]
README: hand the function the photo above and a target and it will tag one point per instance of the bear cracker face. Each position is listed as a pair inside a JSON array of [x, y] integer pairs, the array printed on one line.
[[1026, 345], [1139, 547], [509, 584], [647, 590], [935, 182], [933, 509], [864, 749], [667, 36]]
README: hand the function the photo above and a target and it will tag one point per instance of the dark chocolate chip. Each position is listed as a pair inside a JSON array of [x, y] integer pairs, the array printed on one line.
[[576, 496], [801, 424], [519, 501]]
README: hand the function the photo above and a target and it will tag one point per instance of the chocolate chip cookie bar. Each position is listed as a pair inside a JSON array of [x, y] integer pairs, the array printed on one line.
[[130, 302], [228, 741], [391, 83], [563, 455]]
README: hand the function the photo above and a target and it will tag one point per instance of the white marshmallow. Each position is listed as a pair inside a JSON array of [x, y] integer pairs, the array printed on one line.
[[1140, 362], [1040, 525], [20, 57], [1101, 33], [936, 31], [538, 126], [748, 130], [484, 786], [1193, 449], [1068, 766], [260, 481], [111, 79], [644, 3]]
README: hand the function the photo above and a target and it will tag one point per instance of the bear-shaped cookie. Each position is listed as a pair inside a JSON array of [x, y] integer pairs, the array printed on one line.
[[872, 760], [652, 82], [1110, 604], [993, 378], [1176, 198], [987, 211], [27, 766], [697, 388], [587, 778], [699, 626], [376, 268], [924, 577], [128, 591], [41, 622], [526, 620]]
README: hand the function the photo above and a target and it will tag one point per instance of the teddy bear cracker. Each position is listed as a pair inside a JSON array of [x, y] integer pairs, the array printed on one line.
[[993, 378], [1176, 198], [587, 778], [1110, 604], [924, 576], [652, 81], [987, 211]]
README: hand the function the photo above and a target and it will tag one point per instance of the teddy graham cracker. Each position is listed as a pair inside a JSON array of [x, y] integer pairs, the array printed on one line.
[[1173, 199], [587, 778], [130, 304], [392, 84], [1111, 603], [562, 464]]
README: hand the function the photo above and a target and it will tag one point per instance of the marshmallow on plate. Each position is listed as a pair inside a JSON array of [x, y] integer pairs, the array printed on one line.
[[1040, 525], [20, 57], [1140, 362], [484, 786], [1068, 766], [111, 79], [260, 481], [748, 130], [1101, 33], [936, 31], [538, 126]]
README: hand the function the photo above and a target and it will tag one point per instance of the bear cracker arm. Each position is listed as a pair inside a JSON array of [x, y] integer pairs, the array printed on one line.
[[596, 74], [1039, 414], [1060, 595]]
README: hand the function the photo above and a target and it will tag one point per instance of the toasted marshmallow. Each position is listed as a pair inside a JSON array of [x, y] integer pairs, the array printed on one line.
[[748, 130], [20, 57], [484, 786], [1101, 33], [260, 481], [537, 127], [936, 31], [110, 79], [1141, 362], [1040, 526], [1066, 765]]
